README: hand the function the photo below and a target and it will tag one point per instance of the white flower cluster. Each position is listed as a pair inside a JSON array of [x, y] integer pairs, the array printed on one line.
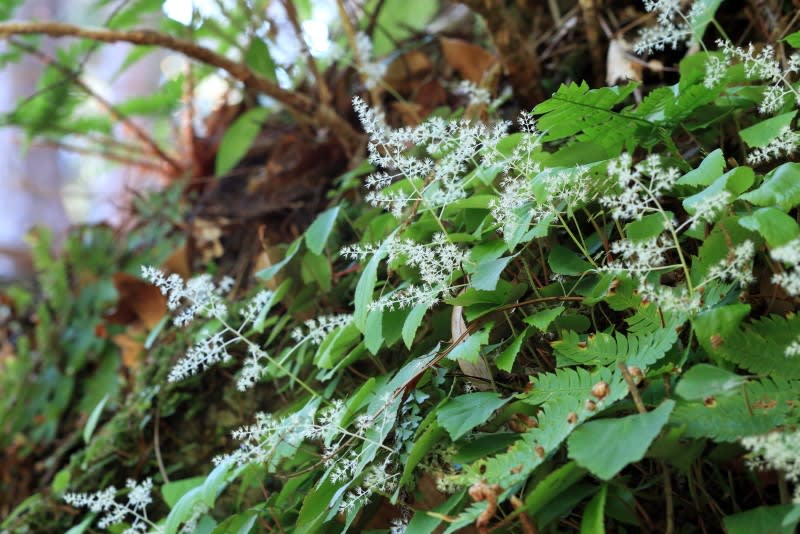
[[371, 71], [737, 267], [793, 349], [477, 95], [639, 186], [673, 26], [104, 501], [779, 451], [519, 170], [788, 254], [639, 258], [198, 296], [269, 440], [436, 262], [319, 328], [783, 145], [761, 65], [456, 145], [201, 297]]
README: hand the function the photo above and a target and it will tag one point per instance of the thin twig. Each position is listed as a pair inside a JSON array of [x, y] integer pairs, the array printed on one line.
[[295, 101], [637, 400], [359, 60]]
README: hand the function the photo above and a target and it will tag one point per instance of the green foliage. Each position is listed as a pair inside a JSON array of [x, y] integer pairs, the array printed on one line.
[[638, 312]]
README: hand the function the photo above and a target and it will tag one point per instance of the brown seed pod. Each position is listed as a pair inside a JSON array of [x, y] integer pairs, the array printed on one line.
[[600, 390], [572, 418], [539, 451], [590, 405]]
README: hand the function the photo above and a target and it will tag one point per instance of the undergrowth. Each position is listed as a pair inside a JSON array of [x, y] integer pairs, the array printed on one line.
[[522, 328]]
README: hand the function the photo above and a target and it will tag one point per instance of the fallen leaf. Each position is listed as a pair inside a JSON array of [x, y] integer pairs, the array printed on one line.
[[469, 60], [138, 300], [479, 369], [620, 65]]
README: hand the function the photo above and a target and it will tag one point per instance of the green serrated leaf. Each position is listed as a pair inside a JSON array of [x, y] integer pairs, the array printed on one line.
[[541, 320], [762, 133], [488, 273], [461, 414], [775, 226], [632, 435], [470, 349], [781, 187], [707, 172]]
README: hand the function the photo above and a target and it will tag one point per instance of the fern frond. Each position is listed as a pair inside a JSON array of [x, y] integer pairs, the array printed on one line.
[[575, 110], [563, 396], [760, 346], [602, 349], [757, 408]]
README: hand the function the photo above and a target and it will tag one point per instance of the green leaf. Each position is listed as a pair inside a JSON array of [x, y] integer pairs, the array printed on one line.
[[761, 520], [762, 133], [94, 418], [606, 446], [270, 272], [237, 524], [645, 228], [735, 182], [174, 490], [505, 362], [259, 59], [470, 349], [707, 172], [564, 261], [373, 332], [461, 414], [775, 226], [700, 22], [703, 380], [316, 508], [542, 319], [365, 287], [316, 268], [317, 234], [593, 515], [399, 19], [793, 39], [237, 139], [781, 187], [552, 486], [412, 322], [488, 273]]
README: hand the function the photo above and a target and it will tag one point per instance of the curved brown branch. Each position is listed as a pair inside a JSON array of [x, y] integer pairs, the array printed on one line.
[[298, 103]]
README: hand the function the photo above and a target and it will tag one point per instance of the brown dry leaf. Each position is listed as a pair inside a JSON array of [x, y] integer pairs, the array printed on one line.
[[407, 70], [469, 60], [178, 263], [479, 369], [138, 300], [131, 346], [207, 234], [619, 63]]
